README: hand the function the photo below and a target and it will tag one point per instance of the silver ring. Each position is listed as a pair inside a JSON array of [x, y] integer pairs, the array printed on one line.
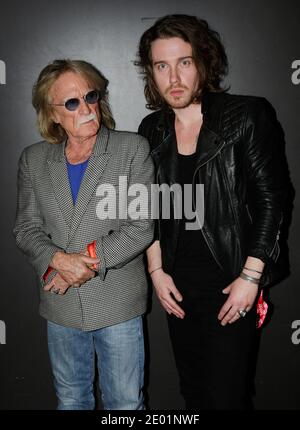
[[242, 313], [55, 290]]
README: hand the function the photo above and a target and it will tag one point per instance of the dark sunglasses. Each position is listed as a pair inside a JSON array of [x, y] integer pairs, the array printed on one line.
[[72, 104]]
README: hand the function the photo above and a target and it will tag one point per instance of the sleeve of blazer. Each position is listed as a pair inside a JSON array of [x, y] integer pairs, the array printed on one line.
[[146, 130], [266, 182], [28, 230], [134, 235]]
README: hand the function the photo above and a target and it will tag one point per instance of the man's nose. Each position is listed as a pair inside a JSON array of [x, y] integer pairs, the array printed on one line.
[[174, 75], [84, 107]]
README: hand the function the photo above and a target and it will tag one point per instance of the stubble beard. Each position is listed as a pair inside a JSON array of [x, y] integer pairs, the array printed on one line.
[[179, 102]]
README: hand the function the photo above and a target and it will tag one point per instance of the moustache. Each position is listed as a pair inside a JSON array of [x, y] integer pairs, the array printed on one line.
[[176, 87], [83, 120]]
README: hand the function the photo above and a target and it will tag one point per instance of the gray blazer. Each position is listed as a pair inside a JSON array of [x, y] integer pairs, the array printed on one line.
[[48, 221]]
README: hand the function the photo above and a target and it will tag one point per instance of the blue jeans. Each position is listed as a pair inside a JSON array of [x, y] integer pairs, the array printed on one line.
[[120, 359]]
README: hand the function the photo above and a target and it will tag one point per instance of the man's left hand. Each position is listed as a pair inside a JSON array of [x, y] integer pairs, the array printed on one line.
[[242, 295]]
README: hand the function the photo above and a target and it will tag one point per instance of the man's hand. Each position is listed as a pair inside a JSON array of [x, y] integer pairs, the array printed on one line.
[[242, 295], [57, 285], [73, 268], [165, 288]]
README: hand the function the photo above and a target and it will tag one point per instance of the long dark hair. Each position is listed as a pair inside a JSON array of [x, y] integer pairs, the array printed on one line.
[[208, 53]]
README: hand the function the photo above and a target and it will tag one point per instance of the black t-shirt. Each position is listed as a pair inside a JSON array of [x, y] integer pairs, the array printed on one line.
[[193, 258]]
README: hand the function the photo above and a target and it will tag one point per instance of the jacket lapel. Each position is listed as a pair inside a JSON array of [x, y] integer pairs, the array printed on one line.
[[93, 173], [210, 142], [165, 154], [60, 181], [208, 146]]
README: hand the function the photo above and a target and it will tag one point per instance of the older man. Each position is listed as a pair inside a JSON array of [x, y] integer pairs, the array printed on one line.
[[93, 284]]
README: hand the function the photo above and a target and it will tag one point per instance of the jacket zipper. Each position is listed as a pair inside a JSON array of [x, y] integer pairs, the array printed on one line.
[[202, 231], [230, 198], [164, 138], [158, 223], [276, 244], [249, 215]]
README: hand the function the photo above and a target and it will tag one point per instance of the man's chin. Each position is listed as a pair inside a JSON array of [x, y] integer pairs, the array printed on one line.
[[88, 135], [181, 104]]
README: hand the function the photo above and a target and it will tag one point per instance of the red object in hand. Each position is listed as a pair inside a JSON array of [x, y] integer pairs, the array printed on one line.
[[47, 273], [261, 309], [91, 249]]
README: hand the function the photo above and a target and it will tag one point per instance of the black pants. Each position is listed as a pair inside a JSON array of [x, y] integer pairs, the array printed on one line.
[[213, 361]]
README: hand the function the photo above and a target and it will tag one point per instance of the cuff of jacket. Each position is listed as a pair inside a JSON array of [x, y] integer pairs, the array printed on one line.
[[44, 269], [262, 254], [99, 253]]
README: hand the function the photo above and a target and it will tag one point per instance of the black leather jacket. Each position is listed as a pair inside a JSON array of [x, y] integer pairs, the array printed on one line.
[[240, 165]]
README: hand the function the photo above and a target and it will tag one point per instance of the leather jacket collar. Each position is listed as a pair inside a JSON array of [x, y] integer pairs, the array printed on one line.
[[210, 141]]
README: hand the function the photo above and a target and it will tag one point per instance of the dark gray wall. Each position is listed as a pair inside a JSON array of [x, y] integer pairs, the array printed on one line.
[[262, 40]]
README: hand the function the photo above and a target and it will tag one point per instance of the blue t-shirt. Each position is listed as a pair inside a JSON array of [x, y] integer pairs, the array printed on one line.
[[75, 173]]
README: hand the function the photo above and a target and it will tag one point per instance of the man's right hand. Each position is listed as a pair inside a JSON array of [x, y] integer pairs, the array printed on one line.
[[166, 290], [57, 285], [73, 267]]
